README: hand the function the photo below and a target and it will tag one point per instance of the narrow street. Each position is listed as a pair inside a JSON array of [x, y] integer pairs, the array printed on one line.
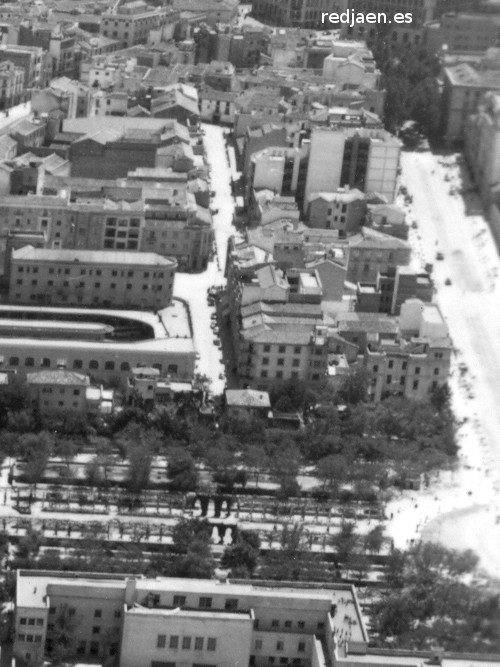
[[469, 297], [192, 287]]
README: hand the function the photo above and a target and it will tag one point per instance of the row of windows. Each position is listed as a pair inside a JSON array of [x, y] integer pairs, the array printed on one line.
[[93, 365], [280, 646], [29, 638], [275, 623], [129, 286], [97, 612], [186, 643], [294, 375], [31, 621], [98, 272]]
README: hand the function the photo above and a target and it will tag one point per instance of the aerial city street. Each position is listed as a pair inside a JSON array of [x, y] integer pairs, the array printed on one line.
[[249, 325]]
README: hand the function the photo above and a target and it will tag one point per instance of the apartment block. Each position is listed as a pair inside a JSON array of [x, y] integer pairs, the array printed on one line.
[[371, 252], [343, 210], [417, 361], [463, 90], [482, 146], [11, 84], [31, 59], [131, 22], [162, 222], [366, 159], [116, 279], [294, 14], [463, 33]]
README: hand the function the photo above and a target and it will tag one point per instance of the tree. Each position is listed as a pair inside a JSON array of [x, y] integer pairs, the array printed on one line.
[[374, 540], [187, 531], [36, 450], [355, 387], [346, 541], [140, 457], [331, 469], [242, 556], [255, 459], [64, 641], [182, 471]]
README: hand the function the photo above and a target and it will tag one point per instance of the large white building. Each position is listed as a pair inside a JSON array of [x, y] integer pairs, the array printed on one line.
[[114, 278], [104, 344], [193, 623], [362, 158]]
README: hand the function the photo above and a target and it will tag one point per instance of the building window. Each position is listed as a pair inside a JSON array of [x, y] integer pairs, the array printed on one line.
[[198, 644], [96, 630], [23, 621], [415, 384], [161, 641], [179, 600], [275, 623], [267, 348], [281, 361], [288, 624], [320, 626], [211, 644], [186, 643], [282, 349], [93, 365], [205, 603], [301, 647], [265, 361], [280, 646], [263, 374], [46, 362], [39, 621], [279, 374], [231, 604], [77, 364], [174, 641], [109, 366], [124, 366], [29, 361], [258, 644], [117, 614], [94, 648], [98, 613], [14, 361], [417, 370]]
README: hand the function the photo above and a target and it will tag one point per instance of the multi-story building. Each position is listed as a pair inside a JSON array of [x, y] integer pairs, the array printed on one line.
[[159, 222], [104, 344], [354, 157], [11, 84], [281, 170], [392, 289], [144, 622], [343, 210], [58, 391], [371, 252], [463, 90], [131, 22], [294, 13], [31, 59], [91, 277], [463, 33], [417, 361], [56, 41], [482, 146]]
